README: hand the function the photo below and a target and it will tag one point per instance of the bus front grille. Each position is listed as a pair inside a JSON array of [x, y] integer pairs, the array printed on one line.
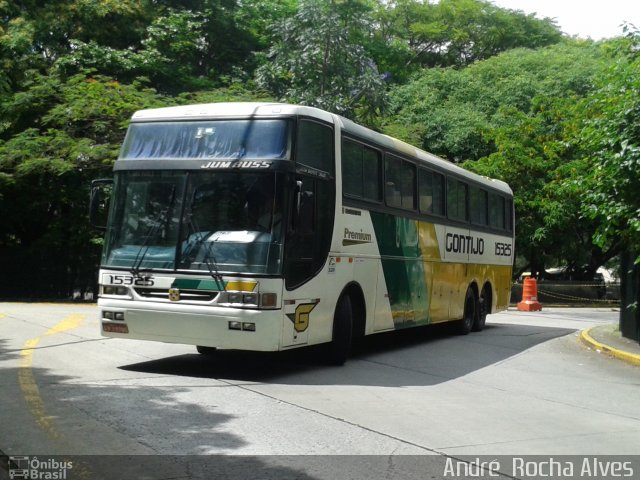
[[184, 295]]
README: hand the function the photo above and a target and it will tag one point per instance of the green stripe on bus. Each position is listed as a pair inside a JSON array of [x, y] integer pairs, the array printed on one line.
[[403, 269], [194, 284]]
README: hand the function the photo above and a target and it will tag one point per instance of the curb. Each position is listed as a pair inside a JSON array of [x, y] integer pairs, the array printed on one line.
[[589, 341]]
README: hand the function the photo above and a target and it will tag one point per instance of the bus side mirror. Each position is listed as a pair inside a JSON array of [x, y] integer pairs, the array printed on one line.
[[297, 200], [101, 190], [298, 196]]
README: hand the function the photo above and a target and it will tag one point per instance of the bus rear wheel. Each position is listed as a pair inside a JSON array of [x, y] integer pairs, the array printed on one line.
[[340, 346], [483, 310], [470, 313]]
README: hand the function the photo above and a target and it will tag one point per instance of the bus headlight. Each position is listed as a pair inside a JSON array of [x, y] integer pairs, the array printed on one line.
[[234, 297], [250, 298], [113, 290]]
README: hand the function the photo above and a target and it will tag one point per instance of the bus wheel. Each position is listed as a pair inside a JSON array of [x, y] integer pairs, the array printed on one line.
[[340, 346], [483, 309], [205, 350], [470, 313]]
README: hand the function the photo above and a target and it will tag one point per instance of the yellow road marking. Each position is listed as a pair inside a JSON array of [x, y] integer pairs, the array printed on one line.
[[30, 389], [72, 321], [588, 340], [27, 381]]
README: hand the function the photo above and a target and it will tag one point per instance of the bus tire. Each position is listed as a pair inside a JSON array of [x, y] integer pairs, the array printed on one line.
[[340, 346], [470, 313], [483, 310], [205, 350]]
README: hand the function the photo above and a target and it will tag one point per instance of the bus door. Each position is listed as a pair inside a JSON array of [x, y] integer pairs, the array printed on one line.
[[306, 251]]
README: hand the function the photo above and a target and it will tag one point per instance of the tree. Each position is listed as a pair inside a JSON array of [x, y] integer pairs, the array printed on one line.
[[611, 140], [177, 44], [460, 32], [73, 73], [46, 244], [35, 34], [319, 60]]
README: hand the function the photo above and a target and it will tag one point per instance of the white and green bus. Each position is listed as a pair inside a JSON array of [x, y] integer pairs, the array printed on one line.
[[266, 227]]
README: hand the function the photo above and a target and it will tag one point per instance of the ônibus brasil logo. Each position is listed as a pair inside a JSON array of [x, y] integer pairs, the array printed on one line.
[[33, 468]]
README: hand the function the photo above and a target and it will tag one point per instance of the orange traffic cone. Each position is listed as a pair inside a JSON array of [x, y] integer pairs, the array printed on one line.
[[529, 301]]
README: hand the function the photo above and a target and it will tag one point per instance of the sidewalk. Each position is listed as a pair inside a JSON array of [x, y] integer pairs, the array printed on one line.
[[607, 339]]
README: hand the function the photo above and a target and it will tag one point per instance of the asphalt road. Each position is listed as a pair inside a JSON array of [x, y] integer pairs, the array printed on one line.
[[403, 406]]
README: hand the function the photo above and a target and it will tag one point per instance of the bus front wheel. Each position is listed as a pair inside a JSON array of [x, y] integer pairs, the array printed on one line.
[[340, 346], [205, 350]]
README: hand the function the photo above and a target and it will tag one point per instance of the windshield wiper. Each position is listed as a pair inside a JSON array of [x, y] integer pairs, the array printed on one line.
[[156, 224], [209, 259]]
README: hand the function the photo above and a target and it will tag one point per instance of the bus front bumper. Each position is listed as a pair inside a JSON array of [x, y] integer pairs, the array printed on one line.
[[220, 327]]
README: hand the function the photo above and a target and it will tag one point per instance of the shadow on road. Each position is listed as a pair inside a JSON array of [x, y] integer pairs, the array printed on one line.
[[7, 354], [420, 356], [100, 430], [124, 416]]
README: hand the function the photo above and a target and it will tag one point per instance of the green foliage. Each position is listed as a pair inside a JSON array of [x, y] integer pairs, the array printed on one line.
[[454, 112], [72, 74], [319, 60], [34, 34], [611, 144], [258, 17], [515, 117], [181, 50], [235, 92], [45, 172], [73, 71], [460, 32]]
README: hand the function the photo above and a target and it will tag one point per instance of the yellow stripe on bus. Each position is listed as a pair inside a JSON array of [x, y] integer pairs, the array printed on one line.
[[241, 285]]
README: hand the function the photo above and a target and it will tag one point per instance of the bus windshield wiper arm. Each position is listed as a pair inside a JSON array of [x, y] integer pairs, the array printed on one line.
[[209, 259], [157, 223]]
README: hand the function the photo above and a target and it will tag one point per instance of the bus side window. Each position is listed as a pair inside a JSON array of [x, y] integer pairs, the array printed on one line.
[[496, 211], [315, 146], [360, 171], [430, 189], [478, 203], [392, 180], [352, 168], [371, 174], [457, 193], [509, 213], [408, 186], [400, 178]]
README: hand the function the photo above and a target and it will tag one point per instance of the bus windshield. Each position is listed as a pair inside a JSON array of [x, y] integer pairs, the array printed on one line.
[[219, 139], [212, 222]]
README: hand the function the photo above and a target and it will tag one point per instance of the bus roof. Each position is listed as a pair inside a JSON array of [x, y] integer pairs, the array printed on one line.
[[266, 109], [230, 110]]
